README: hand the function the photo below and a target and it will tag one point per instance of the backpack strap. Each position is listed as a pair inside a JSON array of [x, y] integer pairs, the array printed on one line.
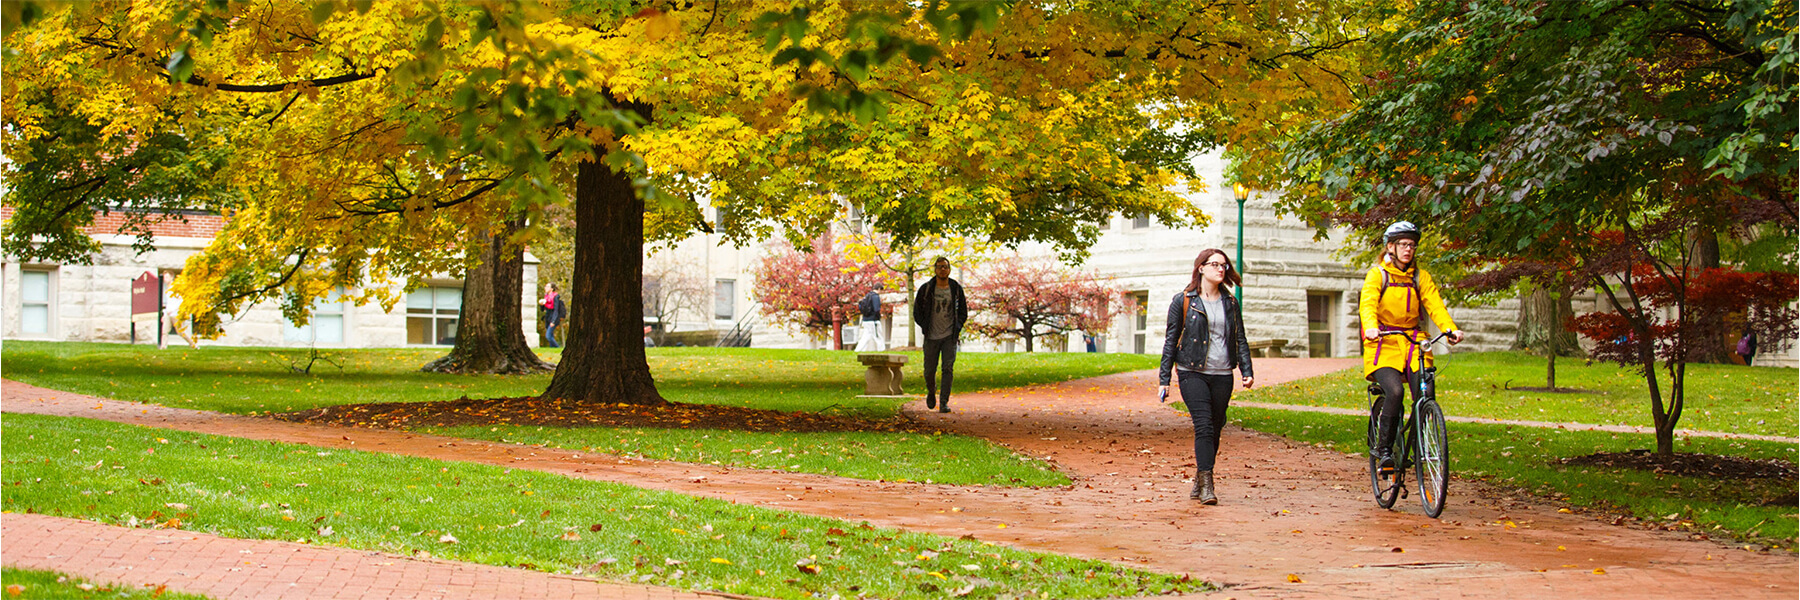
[[1181, 331]]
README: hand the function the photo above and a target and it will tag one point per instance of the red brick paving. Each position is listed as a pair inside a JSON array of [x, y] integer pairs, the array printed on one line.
[[224, 568], [1286, 508]]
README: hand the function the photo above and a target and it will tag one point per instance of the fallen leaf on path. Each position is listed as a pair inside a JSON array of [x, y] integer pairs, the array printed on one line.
[[1292, 578]]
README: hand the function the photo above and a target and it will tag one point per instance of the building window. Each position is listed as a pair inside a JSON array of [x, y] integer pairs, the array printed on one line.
[[34, 308], [1140, 222], [1320, 306], [725, 299], [326, 325], [1140, 322], [431, 315]]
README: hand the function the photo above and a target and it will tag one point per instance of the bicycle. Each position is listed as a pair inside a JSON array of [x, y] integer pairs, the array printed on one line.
[[1423, 431]]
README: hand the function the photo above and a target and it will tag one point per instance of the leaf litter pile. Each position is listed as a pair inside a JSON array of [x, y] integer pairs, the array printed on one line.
[[1691, 464], [569, 413]]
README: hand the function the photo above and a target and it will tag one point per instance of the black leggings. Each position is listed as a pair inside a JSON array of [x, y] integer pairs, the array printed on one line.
[[1393, 391], [1206, 397]]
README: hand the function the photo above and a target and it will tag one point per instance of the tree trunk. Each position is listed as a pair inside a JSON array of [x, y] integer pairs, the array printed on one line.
[[490, 334], [1716, 346], [1541, 317], [603, 359]]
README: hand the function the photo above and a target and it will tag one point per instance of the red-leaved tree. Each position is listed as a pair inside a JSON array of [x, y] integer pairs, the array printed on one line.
[[1668, 310], [801, 289], [1027, 298]]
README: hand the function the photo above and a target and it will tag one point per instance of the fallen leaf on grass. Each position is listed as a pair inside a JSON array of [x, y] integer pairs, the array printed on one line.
[[446, 539]]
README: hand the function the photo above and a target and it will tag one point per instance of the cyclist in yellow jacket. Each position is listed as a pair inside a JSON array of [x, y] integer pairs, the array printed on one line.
[[1395, 295]]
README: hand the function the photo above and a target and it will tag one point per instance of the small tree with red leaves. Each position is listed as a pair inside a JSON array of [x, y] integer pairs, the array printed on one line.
[[1017, 298], [1667, 309], [802, 288]]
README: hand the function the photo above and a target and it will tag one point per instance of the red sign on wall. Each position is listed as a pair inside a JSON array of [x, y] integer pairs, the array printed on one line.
[[146, 295]]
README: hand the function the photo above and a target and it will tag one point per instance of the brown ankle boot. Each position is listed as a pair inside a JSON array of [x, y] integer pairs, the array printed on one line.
[[1203, 488]]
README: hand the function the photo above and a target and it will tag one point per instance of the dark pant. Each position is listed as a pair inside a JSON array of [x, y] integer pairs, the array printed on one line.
[[1206, 397], [945, 348], [550, 333], [1393, 391]]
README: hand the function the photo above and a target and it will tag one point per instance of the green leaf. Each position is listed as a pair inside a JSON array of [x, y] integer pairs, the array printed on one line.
[[180, 65], [322, 11]]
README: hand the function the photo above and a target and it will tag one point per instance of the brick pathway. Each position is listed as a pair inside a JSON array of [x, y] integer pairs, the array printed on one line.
[[1287, 509], [225, 568]]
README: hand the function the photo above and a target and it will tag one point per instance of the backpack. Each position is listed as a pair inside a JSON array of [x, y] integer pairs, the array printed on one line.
[[1743, 348]]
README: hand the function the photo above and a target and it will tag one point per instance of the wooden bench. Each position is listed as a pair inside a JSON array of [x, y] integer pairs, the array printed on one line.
[[883, 375], [1267, 348]]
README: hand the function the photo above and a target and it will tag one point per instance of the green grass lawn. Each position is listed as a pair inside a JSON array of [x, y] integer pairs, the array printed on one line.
[[928, 458], [1728, 398], [34, 585], [143, 477], [261, 380]]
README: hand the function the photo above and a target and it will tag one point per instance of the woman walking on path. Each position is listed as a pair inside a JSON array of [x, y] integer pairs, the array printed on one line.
[[1394, 294], [940, 309], [1204, 342], [554, 311]]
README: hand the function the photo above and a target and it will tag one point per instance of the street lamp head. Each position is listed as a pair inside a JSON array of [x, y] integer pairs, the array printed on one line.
[[1242, 191]]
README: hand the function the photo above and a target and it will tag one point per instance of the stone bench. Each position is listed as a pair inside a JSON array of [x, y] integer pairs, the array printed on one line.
[[883, 375], [1267, 348]]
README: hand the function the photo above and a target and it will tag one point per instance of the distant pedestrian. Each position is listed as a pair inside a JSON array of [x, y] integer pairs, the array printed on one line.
[[1092, 340], [940, 308], [1746, 347], [649, 342], [1204, 341], [870, 339], [554, 311]]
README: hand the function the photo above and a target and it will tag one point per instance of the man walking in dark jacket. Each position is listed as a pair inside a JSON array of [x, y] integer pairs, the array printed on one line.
[[870, 338], [940, 309]]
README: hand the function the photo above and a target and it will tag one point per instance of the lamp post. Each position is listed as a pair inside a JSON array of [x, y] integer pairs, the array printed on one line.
[[1242, 193]]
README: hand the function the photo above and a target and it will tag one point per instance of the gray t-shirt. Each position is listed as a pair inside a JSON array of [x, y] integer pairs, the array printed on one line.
[[1218, 360], [943, 311]]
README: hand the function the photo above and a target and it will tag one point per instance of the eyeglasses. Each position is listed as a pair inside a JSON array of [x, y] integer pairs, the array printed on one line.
[[1406, 244], [1216, 265]]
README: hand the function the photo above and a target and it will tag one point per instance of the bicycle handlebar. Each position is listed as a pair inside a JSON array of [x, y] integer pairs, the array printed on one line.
[[1434, 340]]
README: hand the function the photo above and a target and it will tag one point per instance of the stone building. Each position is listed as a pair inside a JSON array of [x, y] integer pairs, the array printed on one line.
[[92, 303]]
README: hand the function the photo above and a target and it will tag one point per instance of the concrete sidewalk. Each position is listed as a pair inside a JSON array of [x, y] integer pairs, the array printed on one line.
[[225, 568]]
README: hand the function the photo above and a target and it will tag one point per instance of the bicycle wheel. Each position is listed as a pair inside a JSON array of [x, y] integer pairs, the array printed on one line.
[[1433, 462], [1386, 487]]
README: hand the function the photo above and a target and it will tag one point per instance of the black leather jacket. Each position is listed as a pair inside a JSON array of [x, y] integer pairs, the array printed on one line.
[[1190, 332]]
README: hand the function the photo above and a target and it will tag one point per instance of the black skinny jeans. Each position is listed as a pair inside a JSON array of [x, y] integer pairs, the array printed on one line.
[[935, 349], [1206, 397], [1393, 392]]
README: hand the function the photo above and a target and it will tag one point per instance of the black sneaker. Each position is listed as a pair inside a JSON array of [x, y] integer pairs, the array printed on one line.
[[1385, 460], [944, 405], [930, 400]]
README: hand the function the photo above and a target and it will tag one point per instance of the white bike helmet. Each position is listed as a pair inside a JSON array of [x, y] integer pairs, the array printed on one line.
[[1402, 230]]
